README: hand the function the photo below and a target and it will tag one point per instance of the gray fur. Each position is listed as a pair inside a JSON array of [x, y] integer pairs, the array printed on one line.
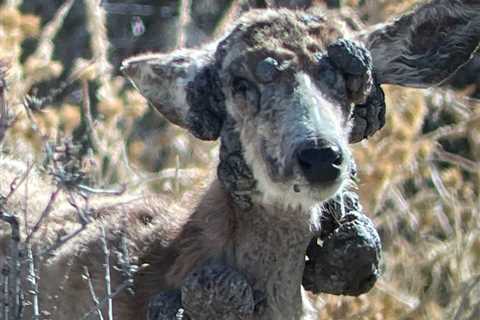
[[347, 263], [281, 81], [424, 47]]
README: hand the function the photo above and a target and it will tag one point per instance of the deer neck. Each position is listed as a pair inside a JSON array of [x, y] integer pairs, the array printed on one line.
[[268, 247], [268, 242]]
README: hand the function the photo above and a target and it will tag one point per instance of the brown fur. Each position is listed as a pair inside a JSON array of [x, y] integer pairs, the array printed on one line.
[[267, 242], [152, 226]]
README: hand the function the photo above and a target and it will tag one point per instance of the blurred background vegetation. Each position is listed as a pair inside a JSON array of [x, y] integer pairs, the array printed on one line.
[[418, 177]]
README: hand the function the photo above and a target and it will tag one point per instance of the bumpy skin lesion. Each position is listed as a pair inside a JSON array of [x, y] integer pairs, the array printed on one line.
[[166, 305], [368, 117], [347, 262], [355, 62], [213, 291], [218, 291]]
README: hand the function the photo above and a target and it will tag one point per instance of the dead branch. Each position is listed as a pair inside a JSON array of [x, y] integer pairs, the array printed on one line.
[[124, 285], [87, 277], [12, 291], [45, 213], [17, 182], [108, 285], [87, 114], [33, 280], [6, 117], [82, 213]]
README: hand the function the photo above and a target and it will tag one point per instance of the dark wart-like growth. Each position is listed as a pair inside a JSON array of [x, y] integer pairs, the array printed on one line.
[[213, 291], [368, 117], [354, 60], [345, 258], [233, 171], [216, 291], [205, 96], [166, 306]]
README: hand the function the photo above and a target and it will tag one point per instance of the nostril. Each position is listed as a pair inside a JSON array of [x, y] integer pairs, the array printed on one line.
[[320, 164], [311, 156], [325, 155]]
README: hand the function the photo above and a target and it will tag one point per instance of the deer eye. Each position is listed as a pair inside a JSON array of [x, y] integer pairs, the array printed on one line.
[[247, 91], [267, 70]]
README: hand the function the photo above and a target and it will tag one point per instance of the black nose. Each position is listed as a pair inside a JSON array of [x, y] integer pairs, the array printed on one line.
[[320, 164]]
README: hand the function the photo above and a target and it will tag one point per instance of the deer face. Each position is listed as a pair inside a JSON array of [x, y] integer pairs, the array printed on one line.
[[290, 103], [282, 90]]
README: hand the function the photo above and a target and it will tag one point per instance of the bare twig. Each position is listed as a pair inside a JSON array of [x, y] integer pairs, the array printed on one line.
[[12, 291], [61, 240], [105, 300], [83, 218], [105, 192], [92, 292], [44, 215], [124, 285], [32, 279], [4, 291], [6, 118], [445, 195], [96, 25], [44, 49], [181, 176], [453, 130], [87, 114], [466, 292], [124, 261], [17, 182], [108, 284], [445, 131]]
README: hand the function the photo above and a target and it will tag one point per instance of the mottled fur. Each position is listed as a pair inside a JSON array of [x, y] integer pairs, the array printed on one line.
[[272, 89]]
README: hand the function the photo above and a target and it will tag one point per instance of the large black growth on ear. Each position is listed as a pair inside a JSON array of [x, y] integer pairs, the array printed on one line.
[[368, 117], [355, 62], [207, 104]]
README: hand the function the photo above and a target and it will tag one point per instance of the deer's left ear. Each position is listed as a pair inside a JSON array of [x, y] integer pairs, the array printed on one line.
[[424, 47], [183, 86]]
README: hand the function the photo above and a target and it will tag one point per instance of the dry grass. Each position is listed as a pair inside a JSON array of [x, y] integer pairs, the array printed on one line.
[[424, 198]]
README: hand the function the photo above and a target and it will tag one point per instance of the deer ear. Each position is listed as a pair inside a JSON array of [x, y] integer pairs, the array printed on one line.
[[424, 47], [183, 86]]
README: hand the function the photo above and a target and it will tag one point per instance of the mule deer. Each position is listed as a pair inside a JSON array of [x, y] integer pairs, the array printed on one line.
[[285, 91]]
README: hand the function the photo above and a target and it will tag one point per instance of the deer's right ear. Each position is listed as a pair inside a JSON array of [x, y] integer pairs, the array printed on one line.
[[424, 47], [183, 86]]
